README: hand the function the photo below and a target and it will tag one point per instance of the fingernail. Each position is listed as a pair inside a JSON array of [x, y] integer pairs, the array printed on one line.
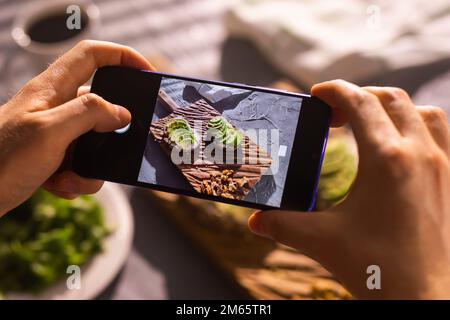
[[123, 114], [254, 223]]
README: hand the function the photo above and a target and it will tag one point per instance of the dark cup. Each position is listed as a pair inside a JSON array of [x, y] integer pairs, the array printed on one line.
[[49, 28]]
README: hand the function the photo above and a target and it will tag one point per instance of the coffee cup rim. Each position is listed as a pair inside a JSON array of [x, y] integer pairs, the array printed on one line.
[[34, 11]]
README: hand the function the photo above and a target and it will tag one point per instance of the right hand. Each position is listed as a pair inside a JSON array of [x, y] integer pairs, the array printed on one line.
[[397, 214]]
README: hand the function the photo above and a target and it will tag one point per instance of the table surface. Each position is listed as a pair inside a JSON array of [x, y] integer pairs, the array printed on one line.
[[191, 35], [163, 264]]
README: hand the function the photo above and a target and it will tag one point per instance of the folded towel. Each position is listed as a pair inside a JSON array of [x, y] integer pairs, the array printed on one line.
[[317, 40]]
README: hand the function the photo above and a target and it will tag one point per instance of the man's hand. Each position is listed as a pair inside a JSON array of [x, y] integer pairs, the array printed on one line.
[[397, 214], [40, 122]]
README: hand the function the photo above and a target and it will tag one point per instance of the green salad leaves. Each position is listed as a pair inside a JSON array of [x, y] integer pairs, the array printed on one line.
[[43, 236]]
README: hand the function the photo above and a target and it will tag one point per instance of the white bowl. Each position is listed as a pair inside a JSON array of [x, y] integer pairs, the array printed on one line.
[[98, 273]]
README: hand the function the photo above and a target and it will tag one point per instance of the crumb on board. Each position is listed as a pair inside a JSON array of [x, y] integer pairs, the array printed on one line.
[[224, 185]]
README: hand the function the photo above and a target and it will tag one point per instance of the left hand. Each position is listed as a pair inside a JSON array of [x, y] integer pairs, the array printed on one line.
[[42, 120]]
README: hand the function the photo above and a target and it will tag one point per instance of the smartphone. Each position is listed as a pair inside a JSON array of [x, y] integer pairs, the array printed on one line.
[[243, 145]]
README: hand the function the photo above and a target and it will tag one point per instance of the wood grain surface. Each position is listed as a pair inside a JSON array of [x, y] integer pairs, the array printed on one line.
[[249, 166]]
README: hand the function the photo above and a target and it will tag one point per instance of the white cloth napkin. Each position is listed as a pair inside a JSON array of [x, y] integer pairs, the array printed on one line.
[[316, 40]]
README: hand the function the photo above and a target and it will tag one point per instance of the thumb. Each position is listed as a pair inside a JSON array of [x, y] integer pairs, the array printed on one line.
[[304, 231], [85, 113]]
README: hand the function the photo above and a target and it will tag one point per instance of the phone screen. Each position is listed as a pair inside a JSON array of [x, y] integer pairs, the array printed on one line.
[[238, 144], [220, 141]]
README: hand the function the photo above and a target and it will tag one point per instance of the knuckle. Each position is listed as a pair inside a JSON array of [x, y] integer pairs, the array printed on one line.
[[34, 122], [36, 126], [366, 98], [435, 158], [395, 94], [440, 113], [91, 100], [433, 114], [360, 97], [30, 87], [340, 86], [86, 45], [395, 153], [31, 91], [353, 93], [339, 82], [37, 96]]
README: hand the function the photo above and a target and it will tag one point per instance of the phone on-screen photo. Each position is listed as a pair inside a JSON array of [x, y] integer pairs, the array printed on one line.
[[228, 142]]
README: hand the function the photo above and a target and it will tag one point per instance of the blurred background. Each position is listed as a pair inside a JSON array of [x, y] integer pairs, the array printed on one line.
[[173, 247]]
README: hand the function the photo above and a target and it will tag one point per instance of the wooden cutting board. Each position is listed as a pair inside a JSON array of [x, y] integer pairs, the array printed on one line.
[[255, 160]]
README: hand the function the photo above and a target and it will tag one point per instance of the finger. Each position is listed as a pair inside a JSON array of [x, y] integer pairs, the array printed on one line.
[[85, 113], [370, 122], [339, 117], [83, 90], [437, 123], [62, 78], [69, 183], [307, 232], [401, 110], [64, 195]]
